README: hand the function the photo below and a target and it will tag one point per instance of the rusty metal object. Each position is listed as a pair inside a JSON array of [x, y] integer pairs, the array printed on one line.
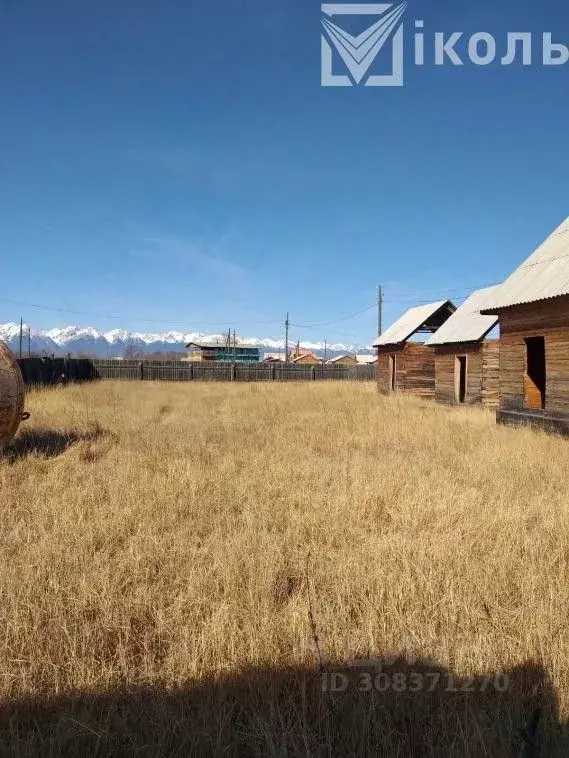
[[12, 395]]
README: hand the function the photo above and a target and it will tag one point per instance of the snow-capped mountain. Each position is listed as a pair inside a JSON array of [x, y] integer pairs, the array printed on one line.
[[40, 342], [73, 339], [79, 340]]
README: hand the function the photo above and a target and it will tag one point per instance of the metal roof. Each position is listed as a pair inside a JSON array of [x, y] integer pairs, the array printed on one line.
[[221, 346], [410, 322], [545, 274], [366, 358], [339, 358], [466, 324]]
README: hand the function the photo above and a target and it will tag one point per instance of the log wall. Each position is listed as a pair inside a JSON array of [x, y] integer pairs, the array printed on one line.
[[383, 368], [491, 374], [445, 373], [415, 369], [482, 373], [547, 319]]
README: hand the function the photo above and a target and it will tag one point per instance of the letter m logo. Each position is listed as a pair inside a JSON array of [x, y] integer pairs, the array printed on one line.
[[358, 52]]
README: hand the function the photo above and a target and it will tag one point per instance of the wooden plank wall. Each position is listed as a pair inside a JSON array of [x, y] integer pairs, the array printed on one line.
[[548, 319], [51, 370], [419, 370], [384, 368], [491, 374], [445, 368], [444, 375], [482, 373], [415, 369]]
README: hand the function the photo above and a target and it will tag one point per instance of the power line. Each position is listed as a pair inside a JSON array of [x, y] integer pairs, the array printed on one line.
[[122, 318], [314, 325], [409, 298], [384, 301]]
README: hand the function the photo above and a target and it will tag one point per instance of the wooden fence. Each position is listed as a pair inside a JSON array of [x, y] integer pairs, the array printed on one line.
[[54, 370], [58, 370]]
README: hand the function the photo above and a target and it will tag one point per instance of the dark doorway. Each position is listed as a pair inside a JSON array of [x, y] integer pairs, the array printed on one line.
[[392, 372], [535, 378], [460, 379]]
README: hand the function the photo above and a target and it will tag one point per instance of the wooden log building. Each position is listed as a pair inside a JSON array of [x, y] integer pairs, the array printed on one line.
[[532, 307], [404, 365], [467, 364]]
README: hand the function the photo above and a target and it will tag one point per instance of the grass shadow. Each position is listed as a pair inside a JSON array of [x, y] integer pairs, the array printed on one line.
[[374, 708], [48, 443]]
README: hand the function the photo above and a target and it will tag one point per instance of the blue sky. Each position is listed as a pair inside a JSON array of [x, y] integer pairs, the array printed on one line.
[[178, 165]]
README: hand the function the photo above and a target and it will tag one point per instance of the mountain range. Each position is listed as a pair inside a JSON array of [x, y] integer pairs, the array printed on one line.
[[79, 340]]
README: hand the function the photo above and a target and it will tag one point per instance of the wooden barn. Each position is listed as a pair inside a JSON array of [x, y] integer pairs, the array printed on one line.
[[532, 307], [467, 364], [404, 365]]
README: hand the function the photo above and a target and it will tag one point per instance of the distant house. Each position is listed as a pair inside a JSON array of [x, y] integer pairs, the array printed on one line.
[[467, 364], [407, 366], [273, 357], [305, 358], [365, 358], [532, 306], [343, 360], [222, 353]]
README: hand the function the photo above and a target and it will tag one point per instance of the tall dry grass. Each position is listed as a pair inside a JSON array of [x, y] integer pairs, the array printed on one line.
[[162, 546]]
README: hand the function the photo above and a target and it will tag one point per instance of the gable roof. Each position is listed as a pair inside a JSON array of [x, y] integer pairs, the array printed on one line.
[[421, 318], [220, 346], [466, 324], [306, 354], [545, 274], [340, 357]]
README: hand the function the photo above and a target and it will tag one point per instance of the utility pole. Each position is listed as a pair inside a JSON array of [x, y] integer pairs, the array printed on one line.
[[287, 323], [29, 341], [234, 346], [379, 311], [21, 334], [325, 350]]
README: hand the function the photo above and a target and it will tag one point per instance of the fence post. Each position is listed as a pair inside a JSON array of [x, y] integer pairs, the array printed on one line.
[[233, 372], [313, 372], [273, 372], [191, 372], [141, 370]]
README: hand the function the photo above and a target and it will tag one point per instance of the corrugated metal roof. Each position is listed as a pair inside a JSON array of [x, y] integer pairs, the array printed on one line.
[[545, 274], [408, 324], [466, 324]]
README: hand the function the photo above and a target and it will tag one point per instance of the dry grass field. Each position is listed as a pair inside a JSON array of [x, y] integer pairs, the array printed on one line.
[[180, 562]]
